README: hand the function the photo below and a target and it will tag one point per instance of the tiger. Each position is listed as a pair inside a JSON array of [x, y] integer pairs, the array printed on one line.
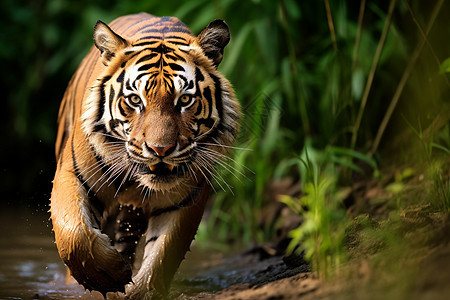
[[142, 123]]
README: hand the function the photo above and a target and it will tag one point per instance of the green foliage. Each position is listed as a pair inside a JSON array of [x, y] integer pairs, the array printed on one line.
[[322, 233], [321, 236], [306, 106], [306, 95], [314, 93], [430, 142], [445, 66]]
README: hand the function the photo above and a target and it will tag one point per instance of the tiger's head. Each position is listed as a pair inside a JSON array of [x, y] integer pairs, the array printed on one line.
[[161, 112]]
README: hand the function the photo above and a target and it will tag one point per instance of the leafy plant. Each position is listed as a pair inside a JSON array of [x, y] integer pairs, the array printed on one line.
[[321, 235]]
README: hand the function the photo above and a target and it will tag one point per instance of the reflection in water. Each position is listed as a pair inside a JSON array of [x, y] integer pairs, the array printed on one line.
[[29, 263], [30, 267]]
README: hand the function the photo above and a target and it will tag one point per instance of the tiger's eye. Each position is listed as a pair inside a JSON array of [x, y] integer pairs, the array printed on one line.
[[185, 100], [135, 100]]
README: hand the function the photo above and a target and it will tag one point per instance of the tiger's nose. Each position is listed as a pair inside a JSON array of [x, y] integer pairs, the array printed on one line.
[[160, 151]]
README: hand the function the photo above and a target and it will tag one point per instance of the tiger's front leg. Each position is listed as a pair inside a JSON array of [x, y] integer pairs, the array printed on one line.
[[169, 235], [88, 252]]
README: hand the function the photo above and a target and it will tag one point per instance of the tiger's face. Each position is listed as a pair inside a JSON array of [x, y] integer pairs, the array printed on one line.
[[161, 112]]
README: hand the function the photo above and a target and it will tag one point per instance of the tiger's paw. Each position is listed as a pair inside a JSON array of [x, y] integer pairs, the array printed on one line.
[[98, 266]]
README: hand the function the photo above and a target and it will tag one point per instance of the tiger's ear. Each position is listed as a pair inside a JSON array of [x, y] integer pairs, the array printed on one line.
[[107, 41], [213, 40]]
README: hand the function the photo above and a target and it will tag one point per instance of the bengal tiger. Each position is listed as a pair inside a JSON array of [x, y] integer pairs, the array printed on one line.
[[141, 124]]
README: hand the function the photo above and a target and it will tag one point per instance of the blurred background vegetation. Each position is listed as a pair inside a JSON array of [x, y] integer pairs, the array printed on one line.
[[344, 87]]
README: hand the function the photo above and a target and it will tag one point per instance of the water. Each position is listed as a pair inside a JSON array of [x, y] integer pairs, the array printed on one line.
[[30, 267]]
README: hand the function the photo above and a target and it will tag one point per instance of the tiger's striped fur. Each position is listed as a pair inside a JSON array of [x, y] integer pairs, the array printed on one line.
[[141, 124]]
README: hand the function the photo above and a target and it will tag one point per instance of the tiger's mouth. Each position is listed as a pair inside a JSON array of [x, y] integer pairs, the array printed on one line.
[[162, 169], [161, 176]]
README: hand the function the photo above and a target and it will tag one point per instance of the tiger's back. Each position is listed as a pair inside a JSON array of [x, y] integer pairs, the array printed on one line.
[[143, 120]]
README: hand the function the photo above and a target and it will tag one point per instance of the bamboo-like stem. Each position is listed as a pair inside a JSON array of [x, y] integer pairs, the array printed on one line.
[[362, 8], [372, 72], [404, 79], [330, 24], [425, 37]]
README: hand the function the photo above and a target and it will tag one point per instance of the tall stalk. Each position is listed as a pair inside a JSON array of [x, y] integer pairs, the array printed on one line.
[[376, 58], [330, 24], [404, 79], [362, 8], [424, 36]]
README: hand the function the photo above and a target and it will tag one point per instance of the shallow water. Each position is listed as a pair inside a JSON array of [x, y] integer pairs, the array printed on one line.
[[30, 267]]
